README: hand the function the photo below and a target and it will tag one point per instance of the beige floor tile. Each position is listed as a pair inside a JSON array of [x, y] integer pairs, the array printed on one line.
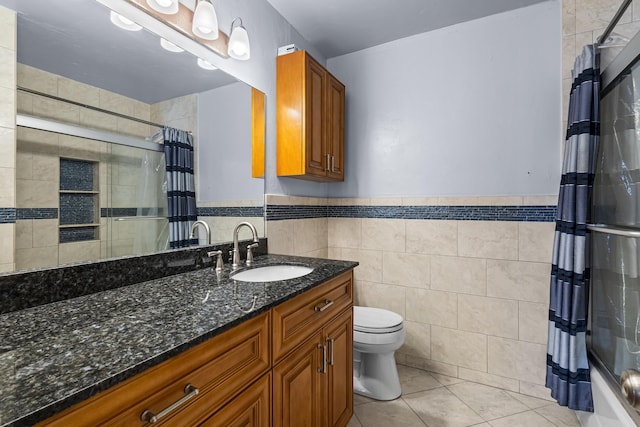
[[489, 402], [447, 380], [531, 402], [441, 408], [384, 414], [413, 380], [360, 400], [353, 422], [524, 419], [559, 415]]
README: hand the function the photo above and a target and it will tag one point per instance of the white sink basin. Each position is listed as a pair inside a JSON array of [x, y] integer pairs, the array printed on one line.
[[272, 273]]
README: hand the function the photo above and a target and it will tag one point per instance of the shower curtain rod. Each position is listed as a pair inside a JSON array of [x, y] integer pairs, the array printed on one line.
[[621, 10], [90, 107]]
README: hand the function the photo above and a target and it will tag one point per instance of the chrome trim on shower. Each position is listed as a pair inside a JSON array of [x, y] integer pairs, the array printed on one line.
[[621, 63], [87, 133], [618, 231]]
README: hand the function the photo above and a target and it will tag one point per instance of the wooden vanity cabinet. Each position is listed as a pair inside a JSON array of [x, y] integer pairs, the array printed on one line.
[[309, 119], [313, 356]]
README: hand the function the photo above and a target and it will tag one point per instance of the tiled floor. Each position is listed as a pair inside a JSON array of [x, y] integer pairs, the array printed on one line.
[[438, 401]]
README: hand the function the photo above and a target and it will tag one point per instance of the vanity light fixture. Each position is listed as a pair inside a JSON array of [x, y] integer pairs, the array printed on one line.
[[206, 65], [124, 23], [167, 45], [205, 21], [239, 47], [168, 7]]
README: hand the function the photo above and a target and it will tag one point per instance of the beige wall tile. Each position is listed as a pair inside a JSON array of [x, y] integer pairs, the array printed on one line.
[[36, 141], [24, 234], [334, 253], [280, 235], [7, 108], [433, 307], [123, 105], [458, 201], [98, 120], [69, 253], [370, 268], [417, 340], [79, 92], [7, 68], [568, 17], [500, 201], [24, 165], [8, 190], [420, 201], [56, 110], [432, 237], [533, 323], [383, 234], [25, 103], [46, 167], [181, 107], [41, 81], [430, 365], [568, 55], [490, 316], [488, 239], [339, 201], [345, 232], [489, 379], [405, 269], [7, 268], [386, 201], [389, 297], [464, 349], [517, 359], [550, 200], [7, 148], [524, 281], [140, 130], [36, 258], [592, 14], [9, 26], [7, 238], [318, 253], [456, 274], [309, 235]]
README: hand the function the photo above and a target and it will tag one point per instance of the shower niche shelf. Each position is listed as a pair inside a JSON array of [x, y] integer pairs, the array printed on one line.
[[79, 208]]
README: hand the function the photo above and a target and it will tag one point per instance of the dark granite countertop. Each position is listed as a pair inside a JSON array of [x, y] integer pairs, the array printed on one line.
[[56, 355]]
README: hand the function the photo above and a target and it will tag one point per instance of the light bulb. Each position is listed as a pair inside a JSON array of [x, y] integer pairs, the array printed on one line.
[[206, 65], [167, 45], [167, 7], [124, 23], [205, 21], [239, 47]]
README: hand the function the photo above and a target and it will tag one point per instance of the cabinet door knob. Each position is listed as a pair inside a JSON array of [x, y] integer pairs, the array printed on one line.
[[323, 368], [151, 418], [327, 303]]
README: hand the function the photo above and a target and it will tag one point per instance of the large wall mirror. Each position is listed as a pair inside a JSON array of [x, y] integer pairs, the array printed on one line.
[[82, 197]]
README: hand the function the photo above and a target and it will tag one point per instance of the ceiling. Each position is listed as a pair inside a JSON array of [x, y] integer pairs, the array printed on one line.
[[338, 27]]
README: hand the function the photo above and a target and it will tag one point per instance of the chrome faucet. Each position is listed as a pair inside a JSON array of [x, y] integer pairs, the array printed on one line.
[[236, 251], [206, 228]]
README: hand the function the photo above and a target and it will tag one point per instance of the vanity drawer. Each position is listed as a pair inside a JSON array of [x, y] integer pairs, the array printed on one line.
[[220, 368], [297, 319]]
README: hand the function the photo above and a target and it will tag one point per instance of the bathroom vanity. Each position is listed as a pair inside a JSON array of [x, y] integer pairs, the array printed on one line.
[[196, 348]]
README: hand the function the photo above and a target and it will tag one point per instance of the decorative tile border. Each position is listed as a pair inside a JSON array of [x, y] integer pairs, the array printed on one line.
[[7, 215], [455, 213], [237, 211], [36, 213]]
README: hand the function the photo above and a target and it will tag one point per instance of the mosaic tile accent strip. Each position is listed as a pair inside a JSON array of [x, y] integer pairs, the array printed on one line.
[[76, 175], [79, 234], [36, 213], [282, 212], [77, 208], [7, 215], [457, 213], [239, 211], [117, 212]]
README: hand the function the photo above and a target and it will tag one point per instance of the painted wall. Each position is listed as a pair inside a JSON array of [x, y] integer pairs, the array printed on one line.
[[225, 145], [472, 109]]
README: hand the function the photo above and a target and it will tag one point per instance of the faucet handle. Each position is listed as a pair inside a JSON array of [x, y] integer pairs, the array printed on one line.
[[250, 253], [219, 262]]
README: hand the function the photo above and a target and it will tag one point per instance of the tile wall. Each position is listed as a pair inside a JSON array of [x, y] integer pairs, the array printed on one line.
[[474, 293], [7, 138]]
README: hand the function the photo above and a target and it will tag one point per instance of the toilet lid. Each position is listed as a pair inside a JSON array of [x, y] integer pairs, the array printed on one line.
[[375, 320]]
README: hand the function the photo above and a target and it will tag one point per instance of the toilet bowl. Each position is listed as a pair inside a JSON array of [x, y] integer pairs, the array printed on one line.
[[377, 334]]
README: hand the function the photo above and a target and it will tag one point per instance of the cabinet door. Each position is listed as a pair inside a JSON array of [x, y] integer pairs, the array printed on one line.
[[335, 128], [315, 148], [251, 408], [339, 339], [298, 386]]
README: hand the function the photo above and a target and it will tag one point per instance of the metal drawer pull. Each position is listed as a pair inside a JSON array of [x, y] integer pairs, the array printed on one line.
[[330, 341], [323, 369], [333, 164], [327, 168], [327, 303], [152, 418]]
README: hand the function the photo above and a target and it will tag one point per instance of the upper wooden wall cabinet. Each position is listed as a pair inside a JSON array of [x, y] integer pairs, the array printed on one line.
[[309, 119]]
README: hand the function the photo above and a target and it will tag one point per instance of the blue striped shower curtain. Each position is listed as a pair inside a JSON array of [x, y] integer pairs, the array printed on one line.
[[181, 196], [567, 365]]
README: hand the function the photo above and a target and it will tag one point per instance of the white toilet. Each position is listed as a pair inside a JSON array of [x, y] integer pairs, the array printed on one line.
[[377, 334]]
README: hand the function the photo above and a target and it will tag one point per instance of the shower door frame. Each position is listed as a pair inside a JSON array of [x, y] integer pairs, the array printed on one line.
[[609, 78]]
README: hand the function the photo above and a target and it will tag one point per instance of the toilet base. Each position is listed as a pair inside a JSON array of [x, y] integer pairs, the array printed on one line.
[[375, 376]]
